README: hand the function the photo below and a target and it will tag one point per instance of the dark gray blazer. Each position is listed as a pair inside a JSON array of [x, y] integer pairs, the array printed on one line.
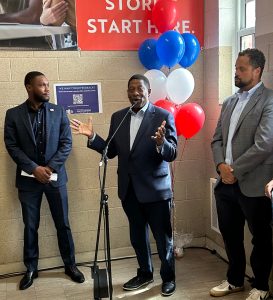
[[252, 143], [21, 145], [148, 169]]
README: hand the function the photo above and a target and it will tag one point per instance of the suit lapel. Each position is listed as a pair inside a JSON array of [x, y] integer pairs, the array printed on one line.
[[146, 122], [27, 122], [125, 131], [250, 104], [227, 116], [49, 118]]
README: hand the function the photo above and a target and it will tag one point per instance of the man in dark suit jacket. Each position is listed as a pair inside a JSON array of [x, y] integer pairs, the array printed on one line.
[[38, 138], [243, 154], [145, 143]]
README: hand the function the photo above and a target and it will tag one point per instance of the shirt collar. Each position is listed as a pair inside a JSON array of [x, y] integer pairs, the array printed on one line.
[[251, 91], [142, 110], [31, 109]]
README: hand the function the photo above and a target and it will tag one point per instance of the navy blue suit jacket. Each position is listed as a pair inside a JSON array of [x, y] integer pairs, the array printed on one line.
[[148, 169], [21, 145]]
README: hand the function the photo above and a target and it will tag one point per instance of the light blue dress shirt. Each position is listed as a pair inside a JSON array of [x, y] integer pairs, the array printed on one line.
[[136, 120], [242, 102]]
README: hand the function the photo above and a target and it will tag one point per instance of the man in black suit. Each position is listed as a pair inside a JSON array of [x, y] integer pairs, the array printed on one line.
[[145, 143], [38, 138]]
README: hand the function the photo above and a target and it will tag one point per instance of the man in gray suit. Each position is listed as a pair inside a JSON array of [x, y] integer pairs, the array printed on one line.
[[243, 154]]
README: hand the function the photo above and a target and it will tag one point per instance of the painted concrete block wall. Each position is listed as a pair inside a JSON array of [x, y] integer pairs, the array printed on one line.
[[113, 70], [212, 106]]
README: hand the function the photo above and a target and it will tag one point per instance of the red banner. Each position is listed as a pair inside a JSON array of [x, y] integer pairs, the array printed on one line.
[[125, 24]]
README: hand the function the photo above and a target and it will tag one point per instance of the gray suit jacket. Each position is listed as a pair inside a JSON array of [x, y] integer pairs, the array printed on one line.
[[252, 143]]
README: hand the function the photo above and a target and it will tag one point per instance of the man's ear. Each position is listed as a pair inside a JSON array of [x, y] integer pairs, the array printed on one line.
[[258, 71], [28, 87], [149, 92]]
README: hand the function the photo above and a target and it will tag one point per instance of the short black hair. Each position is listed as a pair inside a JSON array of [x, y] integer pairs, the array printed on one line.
[[31, 75], [256, 58], [140, 77]]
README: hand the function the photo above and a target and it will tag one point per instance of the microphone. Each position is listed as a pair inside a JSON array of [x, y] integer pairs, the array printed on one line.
[[105, 150]]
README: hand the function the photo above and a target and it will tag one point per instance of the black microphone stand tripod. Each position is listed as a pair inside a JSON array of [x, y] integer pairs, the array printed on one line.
[[103, 287]]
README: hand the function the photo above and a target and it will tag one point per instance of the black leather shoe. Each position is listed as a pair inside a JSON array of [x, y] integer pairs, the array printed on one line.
[[168, 288], [74, 273], [27, 280], [136, 283]]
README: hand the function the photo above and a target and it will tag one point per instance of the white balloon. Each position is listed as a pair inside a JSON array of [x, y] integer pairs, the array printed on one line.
[[180, 85], [158, 84]]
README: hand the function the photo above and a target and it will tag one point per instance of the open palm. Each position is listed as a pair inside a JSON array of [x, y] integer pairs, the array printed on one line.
[[82, 128]]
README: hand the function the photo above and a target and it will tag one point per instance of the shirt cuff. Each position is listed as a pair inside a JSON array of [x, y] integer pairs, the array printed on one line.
[[159, 148], [91, 140]]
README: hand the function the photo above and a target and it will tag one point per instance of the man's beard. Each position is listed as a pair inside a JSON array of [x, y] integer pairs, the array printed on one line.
[[41, 99], [240, 84]]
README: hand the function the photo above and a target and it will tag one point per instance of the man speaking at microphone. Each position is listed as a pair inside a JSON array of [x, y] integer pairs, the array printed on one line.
[[144, 138]]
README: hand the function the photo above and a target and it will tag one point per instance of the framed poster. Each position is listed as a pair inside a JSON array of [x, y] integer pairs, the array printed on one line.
[[79, 98]]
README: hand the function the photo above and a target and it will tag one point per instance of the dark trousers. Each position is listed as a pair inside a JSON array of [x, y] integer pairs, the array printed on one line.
[[157, 215], [31, 204], [233, 209]]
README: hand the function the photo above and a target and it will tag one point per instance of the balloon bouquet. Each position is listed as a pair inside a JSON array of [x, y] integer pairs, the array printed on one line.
[[170, 92], [170, 49]]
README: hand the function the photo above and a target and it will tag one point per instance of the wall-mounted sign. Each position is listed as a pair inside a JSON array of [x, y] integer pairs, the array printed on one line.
[[101, 24], [125, 24], [79, 98]]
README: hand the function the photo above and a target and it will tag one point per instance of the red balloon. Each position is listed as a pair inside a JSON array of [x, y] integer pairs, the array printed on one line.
[[164, 15], [189, 120], [165, 104]]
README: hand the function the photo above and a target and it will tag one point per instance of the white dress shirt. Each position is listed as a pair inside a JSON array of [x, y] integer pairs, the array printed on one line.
[[136, 120]]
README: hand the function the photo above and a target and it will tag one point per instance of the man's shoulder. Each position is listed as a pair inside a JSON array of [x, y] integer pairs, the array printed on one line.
[[121, 112], [158, 110], [264, 96], [50, 104], [268, 92], [16, 108], [230, 99]]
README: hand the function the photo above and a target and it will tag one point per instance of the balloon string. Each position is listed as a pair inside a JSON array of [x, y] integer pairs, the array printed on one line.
[[183, 149], [173, 165]]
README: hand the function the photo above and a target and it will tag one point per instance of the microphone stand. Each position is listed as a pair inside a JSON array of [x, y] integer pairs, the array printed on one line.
[[103, 287]]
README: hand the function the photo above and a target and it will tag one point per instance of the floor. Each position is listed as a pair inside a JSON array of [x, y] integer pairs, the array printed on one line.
[[197, 271]]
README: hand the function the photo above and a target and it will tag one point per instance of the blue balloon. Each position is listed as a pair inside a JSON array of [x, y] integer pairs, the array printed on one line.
[[148, 56], [170, 48], [192, 50]]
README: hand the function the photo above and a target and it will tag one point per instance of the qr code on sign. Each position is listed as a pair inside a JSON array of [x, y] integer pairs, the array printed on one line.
[[77, 98]]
